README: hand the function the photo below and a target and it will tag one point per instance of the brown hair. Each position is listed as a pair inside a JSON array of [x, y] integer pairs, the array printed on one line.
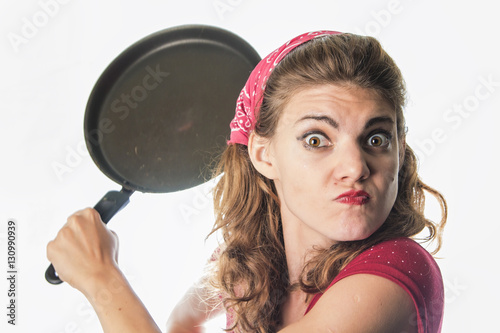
[[251, 271]]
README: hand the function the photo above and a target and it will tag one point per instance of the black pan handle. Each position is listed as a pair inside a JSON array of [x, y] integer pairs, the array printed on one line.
[[112, 203], [107, 207]]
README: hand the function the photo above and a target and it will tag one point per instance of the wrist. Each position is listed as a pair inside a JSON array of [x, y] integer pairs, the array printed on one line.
[[105, 285], [116, 304]]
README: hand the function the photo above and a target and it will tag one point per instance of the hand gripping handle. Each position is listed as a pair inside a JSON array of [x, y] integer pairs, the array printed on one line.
[[107, 207]]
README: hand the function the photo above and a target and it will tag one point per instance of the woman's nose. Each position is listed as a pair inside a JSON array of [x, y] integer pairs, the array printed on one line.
[[350, 164]]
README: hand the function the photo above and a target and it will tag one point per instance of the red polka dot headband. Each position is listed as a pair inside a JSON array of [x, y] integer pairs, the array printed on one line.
[[250, 98]]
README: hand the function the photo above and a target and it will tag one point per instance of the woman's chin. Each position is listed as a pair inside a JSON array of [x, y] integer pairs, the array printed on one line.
[[356, 232]]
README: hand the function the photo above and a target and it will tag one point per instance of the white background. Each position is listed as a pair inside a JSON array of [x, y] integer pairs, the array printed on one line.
[[447, 50]]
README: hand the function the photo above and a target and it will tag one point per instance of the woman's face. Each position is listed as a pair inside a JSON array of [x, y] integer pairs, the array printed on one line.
[[335, 162]]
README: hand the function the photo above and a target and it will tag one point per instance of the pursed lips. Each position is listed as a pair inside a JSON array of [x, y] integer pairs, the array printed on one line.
[[353, 197]]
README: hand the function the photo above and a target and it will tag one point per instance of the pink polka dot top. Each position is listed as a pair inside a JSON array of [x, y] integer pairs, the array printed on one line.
[[409, 265]]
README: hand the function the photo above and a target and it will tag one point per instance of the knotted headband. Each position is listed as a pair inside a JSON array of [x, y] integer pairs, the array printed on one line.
[[250, 98]]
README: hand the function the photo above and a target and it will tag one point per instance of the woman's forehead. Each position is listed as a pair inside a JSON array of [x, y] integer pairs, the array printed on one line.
[[337, 102]]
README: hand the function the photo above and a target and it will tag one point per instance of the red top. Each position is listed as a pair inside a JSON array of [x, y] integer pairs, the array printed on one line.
[[410, 266]]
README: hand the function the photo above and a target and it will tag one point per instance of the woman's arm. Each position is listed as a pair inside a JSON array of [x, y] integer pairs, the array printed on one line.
[[118, 307], [193, 310], [198, 305], [85, 254], [360, 303]]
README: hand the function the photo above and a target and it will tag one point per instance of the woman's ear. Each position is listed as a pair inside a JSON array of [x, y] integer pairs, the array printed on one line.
[[259, 152]]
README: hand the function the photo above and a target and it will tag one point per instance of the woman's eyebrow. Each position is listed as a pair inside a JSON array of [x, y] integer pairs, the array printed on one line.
[[326, 119], [378, 120], [334, 124]]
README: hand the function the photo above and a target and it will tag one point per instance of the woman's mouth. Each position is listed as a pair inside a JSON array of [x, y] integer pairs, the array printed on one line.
[[353, 197]]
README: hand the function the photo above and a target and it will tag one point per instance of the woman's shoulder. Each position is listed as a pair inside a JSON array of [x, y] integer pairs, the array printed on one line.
[[412, 267], [397, 247], [403, 254], [401, 260]]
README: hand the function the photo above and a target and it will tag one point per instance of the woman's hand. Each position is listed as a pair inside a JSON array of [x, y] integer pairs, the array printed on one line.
[[85, 255], [84, 251]]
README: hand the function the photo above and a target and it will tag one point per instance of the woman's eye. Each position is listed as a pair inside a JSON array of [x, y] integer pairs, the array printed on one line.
[[379, 140], [316, 141]]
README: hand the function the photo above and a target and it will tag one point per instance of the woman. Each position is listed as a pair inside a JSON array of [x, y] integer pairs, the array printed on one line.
[[317, 201]]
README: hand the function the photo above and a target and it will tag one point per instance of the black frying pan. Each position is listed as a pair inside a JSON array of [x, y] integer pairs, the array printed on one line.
[[159, 107]]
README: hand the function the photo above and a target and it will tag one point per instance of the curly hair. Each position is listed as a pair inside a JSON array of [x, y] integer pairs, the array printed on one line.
[[251, 270]]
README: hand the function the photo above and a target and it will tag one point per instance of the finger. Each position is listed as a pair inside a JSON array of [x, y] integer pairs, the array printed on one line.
[[92, 213], [88, 213], [49, 249], [85, 222]]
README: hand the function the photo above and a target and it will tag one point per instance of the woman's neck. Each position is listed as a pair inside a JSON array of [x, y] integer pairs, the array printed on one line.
[[300, 241]]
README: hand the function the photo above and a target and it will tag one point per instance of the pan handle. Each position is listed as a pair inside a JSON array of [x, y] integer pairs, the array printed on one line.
[[107, 207], [112, 203]]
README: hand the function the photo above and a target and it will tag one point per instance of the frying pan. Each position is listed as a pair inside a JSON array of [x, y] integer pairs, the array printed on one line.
[[160, 107]]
